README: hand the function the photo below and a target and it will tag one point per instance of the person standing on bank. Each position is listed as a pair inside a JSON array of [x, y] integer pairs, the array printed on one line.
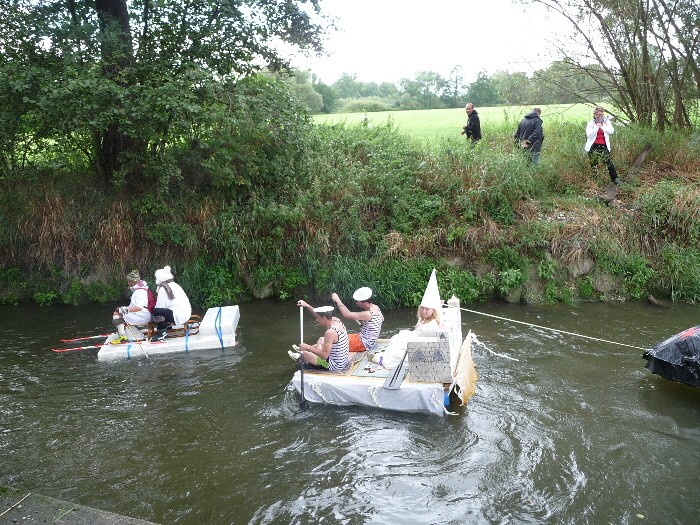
[[529, 135], [136, 313], [473, 128], [172, 305], [598, 131], [370, 318]]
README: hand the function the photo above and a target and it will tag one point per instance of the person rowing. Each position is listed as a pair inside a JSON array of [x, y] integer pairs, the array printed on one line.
[[370, 318], [331, 351]]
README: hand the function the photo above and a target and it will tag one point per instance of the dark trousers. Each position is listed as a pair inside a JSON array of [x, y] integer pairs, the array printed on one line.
[[600, 153], [166, 314]]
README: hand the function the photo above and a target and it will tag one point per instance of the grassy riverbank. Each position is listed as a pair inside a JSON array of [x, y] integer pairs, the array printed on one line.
[[344, 205]]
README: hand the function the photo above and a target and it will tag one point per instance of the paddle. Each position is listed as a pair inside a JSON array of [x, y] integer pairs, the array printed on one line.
[[84, 338], [76, 348], [302, 402]]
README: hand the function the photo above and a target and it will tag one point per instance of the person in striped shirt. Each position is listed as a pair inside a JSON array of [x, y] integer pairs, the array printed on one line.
[[331, 351], [369, 317]]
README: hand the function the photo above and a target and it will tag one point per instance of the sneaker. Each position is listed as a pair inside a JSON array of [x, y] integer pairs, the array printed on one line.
[[119, 340], [160, 335], [296, 348], [294, 355]]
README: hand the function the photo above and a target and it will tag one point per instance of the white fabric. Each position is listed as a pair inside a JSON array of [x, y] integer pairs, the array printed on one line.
[[367, 391], [180, 304], [139, 297], [431, 296], [592, 133], [396, 348]]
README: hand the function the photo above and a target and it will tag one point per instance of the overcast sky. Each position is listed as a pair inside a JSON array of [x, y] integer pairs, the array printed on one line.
[[387, 40]]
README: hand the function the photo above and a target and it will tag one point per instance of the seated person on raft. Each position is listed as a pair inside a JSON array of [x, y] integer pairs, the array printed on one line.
[[135, 314], [172, 305], [331, 351], [370, 318], [429, 325]]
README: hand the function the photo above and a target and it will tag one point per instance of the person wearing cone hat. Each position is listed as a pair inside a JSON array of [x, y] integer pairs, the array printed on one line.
[[172, 304], [331, 351], [429, 310], [136, 313], [428, 325], [370, 318]]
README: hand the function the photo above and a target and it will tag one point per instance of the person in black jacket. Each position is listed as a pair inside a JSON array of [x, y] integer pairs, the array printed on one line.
[[473, 128], [529, 135]]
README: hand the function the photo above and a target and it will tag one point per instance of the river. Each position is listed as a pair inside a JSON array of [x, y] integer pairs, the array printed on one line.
[[561, 430]]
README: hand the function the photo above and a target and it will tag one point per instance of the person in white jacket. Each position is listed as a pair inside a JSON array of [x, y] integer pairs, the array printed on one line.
[[598, 131], [172, 305], [135, 314]]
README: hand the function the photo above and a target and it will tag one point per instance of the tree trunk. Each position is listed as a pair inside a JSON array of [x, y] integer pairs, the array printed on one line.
[[112, 144]]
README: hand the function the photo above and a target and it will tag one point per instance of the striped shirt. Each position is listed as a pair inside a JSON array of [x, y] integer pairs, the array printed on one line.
[[369, 331], [339, 357]]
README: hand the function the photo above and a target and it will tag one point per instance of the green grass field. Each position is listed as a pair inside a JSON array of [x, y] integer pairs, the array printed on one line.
[[435, 125]]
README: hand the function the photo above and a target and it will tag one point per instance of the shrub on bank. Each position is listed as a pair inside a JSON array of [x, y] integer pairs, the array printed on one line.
[[370, 206]]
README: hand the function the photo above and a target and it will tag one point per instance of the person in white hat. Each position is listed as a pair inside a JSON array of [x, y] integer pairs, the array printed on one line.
[[370, 318], [136, 313], [330, 351], [172, 305]]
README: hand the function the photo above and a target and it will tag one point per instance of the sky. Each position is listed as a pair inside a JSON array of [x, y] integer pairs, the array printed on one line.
[[387, 40]]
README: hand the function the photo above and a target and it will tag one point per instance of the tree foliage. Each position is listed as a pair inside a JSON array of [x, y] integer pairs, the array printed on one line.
[[645, 54], [121, 82]]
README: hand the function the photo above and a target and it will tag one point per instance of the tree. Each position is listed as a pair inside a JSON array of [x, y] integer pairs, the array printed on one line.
[[347, 86], [124, 80], [482, 92], [454, 88], [328, 96], [424, 89], [646, 55], [514, 89]]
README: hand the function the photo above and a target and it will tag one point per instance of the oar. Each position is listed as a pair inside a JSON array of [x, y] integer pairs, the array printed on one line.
[[302, 402], [84, 338], [76, 348]]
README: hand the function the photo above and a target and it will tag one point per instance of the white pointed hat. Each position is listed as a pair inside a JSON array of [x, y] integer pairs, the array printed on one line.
[[431, 297]]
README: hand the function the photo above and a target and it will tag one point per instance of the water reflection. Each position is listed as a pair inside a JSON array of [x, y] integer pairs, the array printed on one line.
[[567, 430]]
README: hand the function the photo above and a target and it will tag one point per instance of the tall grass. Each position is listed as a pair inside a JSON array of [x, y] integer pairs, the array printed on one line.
[[380, 206]]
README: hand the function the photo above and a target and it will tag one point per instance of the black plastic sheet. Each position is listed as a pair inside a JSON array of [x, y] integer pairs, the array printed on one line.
[[677, 358]]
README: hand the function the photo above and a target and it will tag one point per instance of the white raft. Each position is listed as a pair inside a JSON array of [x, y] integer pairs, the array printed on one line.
[[439, 368], [217, 330]]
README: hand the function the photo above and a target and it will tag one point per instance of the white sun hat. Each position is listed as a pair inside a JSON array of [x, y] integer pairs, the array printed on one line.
[[323, 309], [431, 297], [362, 294]]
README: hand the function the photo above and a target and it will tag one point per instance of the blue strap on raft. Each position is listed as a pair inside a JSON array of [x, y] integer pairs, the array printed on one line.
[[219, 331]]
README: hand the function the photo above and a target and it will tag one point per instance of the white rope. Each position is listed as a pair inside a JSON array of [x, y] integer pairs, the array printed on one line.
[[554, 329], [477, 342]]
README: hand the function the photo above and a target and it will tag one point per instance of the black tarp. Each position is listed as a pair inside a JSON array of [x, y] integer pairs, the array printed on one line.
[[677, 358]]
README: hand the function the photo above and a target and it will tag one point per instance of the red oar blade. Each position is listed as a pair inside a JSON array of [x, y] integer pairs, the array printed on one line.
[[99, 336], [74, 349]]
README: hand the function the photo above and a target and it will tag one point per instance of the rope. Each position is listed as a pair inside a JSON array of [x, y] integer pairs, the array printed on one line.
[[554, 329], [13, 506]]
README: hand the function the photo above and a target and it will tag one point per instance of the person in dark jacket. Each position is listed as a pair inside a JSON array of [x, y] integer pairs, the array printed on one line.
[[529, 135], [473, 128]]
